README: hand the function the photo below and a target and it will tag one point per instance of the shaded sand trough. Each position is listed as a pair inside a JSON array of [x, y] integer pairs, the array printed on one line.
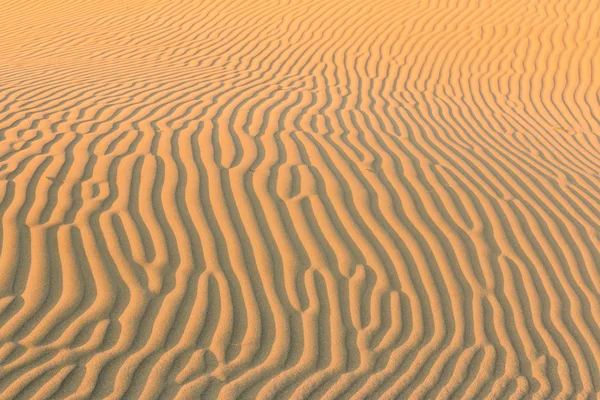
[[299, 199]]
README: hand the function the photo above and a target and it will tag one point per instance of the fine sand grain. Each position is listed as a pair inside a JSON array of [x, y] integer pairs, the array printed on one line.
[[299, 199]]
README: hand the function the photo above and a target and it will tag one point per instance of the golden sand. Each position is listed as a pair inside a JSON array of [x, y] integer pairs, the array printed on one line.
[[389, 199]]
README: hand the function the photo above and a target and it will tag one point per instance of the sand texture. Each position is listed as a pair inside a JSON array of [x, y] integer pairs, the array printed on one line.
[[395, 199]]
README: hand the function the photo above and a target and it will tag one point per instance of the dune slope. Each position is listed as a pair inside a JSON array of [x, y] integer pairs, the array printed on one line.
[[299, 199]]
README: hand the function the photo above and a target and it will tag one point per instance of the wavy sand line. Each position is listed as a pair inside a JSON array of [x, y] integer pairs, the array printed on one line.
[[299, 199]]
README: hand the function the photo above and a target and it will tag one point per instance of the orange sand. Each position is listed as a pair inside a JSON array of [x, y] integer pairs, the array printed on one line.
[[299, 199]]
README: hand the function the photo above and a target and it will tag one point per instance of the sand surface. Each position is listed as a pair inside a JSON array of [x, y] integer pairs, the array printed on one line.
[[299, 199]]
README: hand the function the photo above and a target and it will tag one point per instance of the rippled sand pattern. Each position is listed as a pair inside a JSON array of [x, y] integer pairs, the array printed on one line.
[[299, 199]]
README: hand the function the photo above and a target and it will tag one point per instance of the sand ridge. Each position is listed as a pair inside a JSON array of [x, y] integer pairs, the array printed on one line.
[[299, 199]]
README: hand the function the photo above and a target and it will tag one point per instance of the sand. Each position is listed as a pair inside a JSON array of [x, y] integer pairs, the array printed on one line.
[[299, 199]]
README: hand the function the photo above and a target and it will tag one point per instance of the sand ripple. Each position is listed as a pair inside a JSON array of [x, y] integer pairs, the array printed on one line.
[[299, 199]]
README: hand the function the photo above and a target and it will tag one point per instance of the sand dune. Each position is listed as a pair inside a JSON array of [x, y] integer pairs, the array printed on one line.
[[299, 199]]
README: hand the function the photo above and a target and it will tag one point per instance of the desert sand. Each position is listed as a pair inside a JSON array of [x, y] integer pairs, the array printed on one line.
[[300, 199]]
